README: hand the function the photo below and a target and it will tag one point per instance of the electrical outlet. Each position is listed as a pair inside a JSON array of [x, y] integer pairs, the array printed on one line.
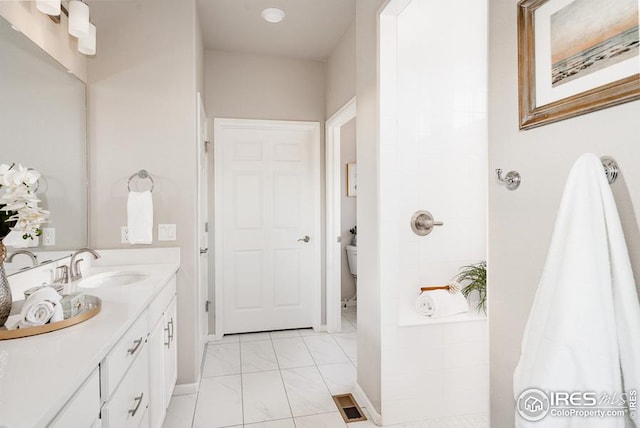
[[48, 236], [166, 232], [124, 235]]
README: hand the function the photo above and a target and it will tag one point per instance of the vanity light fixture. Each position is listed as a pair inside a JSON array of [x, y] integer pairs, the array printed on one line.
[[87, 45], [273, 15], [50, 7], [78, 19], [79, 25]]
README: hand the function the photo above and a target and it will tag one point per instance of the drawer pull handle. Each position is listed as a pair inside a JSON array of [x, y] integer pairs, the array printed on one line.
[[135, 409], [168, 342], [135, 348], [171, 335]]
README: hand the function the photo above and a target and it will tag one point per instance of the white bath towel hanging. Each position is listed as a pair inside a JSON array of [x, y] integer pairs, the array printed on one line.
[[140, 217], [583, 332]]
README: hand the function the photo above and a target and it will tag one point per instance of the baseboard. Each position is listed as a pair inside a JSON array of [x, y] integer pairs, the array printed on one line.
[[364, 401], [186, 389], [214, 338]]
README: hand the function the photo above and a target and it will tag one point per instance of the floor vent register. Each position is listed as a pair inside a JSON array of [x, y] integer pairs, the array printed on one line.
[[348, 408]]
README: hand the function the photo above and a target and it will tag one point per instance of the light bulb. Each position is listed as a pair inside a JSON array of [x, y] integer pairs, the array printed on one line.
[[50, 7], [87, 45], [78, 19]]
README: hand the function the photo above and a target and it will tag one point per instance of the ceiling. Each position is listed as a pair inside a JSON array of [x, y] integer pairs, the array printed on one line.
[[310, 30]]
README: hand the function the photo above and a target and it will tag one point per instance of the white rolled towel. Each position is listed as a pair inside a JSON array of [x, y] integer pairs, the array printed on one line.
[[41, 307], [441, 303]]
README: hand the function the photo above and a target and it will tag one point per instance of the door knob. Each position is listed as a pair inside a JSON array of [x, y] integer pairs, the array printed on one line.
[[307, 238]]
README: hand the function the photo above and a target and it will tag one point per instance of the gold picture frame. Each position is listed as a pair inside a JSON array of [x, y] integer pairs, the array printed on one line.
[[551, 90]]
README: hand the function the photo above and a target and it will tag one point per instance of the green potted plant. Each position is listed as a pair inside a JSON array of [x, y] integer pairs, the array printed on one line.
[[474, 278]]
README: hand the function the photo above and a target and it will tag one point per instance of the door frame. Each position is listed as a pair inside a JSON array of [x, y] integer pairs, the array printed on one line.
[[219, 124], [202, 290], [333, 170]]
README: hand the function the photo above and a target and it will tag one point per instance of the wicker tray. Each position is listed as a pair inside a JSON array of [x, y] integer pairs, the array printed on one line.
[[91, 308]]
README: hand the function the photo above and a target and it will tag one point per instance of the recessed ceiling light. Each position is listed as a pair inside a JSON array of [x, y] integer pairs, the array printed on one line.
[[273, 15]]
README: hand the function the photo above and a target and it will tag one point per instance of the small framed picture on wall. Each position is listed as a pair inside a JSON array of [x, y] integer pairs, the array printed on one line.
[[352, 183]]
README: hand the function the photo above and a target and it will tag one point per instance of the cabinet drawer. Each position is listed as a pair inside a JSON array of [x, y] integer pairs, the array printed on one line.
[[116, 363], [83, 408], [162, 300], [128, 405]]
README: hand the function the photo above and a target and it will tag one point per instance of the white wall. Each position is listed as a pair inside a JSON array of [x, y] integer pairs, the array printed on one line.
[[368, 222], [142, 115], [51, 37], [347, 204], [247, 86], [521, 222], [341, 72], [433, 156]]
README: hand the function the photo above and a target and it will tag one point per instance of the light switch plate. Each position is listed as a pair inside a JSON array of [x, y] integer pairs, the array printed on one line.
[[124, 235], [166, 232], [48, 236]]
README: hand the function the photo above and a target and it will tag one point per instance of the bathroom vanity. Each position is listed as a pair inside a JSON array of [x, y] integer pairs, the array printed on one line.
[[116, 370]]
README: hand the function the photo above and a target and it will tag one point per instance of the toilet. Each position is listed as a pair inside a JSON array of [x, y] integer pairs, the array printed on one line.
[[352, 259]]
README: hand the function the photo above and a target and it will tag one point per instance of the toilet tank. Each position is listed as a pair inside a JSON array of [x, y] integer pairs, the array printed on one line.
[[352, 259]]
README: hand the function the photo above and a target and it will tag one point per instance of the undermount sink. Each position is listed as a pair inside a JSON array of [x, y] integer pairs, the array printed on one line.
[[108, 279]]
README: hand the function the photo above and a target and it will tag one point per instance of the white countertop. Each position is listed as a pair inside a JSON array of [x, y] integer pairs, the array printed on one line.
[[39, 374]]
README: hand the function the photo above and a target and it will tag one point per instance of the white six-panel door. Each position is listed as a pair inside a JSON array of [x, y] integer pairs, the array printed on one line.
[[267, 196]]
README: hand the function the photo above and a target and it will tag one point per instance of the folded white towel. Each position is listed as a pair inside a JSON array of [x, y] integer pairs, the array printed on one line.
[[140, 217], [583, 329], [441, 303], [41, 307]]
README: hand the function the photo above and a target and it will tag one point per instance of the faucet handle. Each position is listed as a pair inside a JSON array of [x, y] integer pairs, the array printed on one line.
[[62, 275], [77, 274]]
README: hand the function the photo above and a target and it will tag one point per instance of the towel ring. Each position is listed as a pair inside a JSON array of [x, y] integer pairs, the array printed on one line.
[[142, 174]]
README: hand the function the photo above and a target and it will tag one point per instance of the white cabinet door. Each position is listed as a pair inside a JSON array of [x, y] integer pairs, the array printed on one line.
[[157, 405], [268, 223], [170, 351], [83, 408]]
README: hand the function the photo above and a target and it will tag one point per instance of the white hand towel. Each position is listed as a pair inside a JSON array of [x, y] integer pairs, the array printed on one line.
[[41, 307], [140, 217], [584, 327], [441, 303]]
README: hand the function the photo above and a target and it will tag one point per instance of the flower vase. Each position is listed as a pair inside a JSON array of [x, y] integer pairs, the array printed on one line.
[[5, 290]]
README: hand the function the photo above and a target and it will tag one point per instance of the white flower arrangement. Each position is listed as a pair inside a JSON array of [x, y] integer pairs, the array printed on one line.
[[19, 204]]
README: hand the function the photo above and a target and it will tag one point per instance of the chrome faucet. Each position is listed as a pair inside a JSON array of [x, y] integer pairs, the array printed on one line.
[[74, 265], [33, 257]]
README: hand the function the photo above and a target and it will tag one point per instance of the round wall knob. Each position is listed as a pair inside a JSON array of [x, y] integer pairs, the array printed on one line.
[[422, 223]]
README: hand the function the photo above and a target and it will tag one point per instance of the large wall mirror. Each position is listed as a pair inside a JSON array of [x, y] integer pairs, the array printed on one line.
[[43, 126]]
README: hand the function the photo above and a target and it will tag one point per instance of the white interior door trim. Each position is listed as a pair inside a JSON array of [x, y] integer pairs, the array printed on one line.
[[201, 265], [314, 127], [333, 214]]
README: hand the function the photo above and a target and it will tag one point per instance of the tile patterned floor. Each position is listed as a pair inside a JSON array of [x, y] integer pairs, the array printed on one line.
[[280, 379]]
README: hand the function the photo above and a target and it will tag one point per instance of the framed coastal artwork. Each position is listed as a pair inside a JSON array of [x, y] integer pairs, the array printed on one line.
[[575, 57]]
